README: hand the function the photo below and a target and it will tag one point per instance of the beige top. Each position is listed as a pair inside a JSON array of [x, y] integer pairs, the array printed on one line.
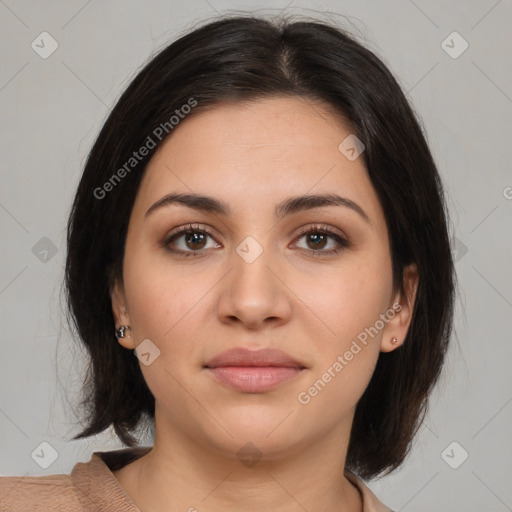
[[92, 487]]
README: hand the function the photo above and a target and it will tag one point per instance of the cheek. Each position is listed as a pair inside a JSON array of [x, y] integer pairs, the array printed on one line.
[[153, 300], [347, 301], [346, 357], [348, 306], [165, 308], [167, 302]]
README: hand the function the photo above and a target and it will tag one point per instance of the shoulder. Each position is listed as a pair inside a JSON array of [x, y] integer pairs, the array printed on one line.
[[370, 502], [91, 487], [38, 493]]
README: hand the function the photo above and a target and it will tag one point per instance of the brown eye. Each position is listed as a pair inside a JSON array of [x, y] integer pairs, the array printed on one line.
[[317, 240], [195, 240], [189, 241], [321, 240]]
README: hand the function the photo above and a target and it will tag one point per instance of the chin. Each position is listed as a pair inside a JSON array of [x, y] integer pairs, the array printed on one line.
[[252, 445], [274, 433]]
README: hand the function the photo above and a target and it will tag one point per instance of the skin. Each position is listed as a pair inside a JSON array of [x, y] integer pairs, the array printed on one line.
[[312, 306]]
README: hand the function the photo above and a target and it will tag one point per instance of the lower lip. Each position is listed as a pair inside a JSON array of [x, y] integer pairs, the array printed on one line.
[[254, 379]]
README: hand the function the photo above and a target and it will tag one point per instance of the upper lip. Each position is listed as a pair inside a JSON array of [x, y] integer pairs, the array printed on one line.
[[245, 357]]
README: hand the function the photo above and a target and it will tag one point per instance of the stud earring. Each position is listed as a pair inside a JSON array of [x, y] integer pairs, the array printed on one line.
[[394, 340], [120, 332]]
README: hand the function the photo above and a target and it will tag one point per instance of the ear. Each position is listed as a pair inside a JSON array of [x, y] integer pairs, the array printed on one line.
[[121, 314], [403, 306]]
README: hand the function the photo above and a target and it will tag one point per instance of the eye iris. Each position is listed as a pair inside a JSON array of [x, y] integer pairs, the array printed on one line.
[[194, 239], [318, 238]]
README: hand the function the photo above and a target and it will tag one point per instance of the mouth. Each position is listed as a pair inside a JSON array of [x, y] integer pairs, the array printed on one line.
[[250, 371]]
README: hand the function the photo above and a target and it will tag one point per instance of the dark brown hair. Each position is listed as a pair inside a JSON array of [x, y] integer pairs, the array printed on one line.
[[244, 58]]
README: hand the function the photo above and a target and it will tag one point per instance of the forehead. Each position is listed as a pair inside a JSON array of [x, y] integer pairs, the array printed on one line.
[[253, 153], [259, 126]]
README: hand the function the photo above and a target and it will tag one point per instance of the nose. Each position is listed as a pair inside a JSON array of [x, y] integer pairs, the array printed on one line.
[[253, 295]]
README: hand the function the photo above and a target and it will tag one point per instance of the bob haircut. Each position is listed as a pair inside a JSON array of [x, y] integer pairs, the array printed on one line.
[[242, 59]]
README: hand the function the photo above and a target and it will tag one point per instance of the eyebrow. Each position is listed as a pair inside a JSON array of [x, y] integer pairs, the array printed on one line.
[[287, 207]]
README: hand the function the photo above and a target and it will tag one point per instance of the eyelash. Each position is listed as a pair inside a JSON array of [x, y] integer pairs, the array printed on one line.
[[316, 229]]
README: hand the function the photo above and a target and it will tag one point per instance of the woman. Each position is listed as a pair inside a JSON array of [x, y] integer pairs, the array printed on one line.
[[261, 223]]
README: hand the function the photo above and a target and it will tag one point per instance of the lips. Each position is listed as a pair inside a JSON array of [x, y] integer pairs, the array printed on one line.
[[245, 357], [252, 371]]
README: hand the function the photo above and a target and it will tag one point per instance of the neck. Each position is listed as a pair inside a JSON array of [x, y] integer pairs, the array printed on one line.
[[180, 474]]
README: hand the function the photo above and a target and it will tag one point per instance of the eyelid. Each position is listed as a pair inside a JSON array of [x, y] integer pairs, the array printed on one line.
[[329, 231], [340, 238], [188, 228], [321, 227]]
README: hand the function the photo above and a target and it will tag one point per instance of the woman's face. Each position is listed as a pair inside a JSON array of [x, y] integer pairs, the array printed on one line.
[[247, 275]]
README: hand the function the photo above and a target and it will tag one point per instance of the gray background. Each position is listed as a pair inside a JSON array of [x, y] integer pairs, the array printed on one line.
[[53, 108]]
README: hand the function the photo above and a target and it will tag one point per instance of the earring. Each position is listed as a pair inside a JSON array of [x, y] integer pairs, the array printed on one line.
[[394, 340], [120, 332]]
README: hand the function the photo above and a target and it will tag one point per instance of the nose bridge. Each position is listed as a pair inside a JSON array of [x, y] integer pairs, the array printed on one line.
[[252, 293], [251, 277], [251, 261]]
